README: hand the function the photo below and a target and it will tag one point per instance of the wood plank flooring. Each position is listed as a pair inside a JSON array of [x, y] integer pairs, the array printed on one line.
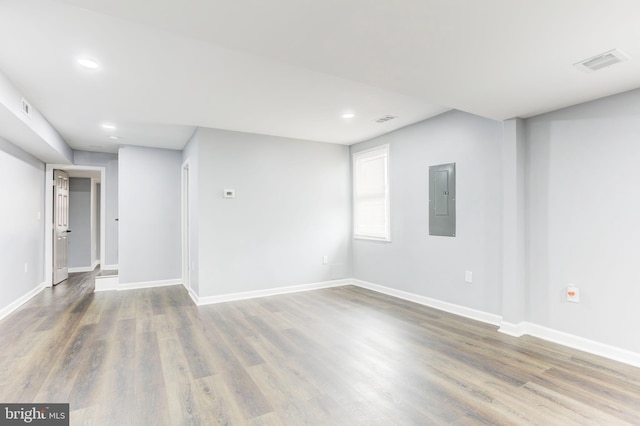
[[340, 356]]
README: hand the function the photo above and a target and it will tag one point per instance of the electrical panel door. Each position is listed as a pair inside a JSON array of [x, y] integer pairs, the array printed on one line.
[[442, 200]]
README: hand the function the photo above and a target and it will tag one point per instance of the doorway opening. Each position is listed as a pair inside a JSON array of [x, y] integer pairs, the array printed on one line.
[[91, 189], [60, 226]]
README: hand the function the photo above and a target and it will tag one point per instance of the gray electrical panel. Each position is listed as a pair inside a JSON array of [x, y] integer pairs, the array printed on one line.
[[442, 200]]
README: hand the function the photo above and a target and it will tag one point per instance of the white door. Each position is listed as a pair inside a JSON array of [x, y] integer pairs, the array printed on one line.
[[60, 226]]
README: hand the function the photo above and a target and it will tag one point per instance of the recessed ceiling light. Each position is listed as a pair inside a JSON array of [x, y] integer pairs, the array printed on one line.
[[88, 63], [348, 115], [114, 138], [108, 126]]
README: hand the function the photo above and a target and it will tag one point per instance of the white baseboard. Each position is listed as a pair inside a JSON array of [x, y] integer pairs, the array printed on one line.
[[192, 295], [84, 268], [268, 292], [572, 341], [433, 303], [106, 283], [148, 284], [110, 267], [110, 283], [21, 301], [515, 330]]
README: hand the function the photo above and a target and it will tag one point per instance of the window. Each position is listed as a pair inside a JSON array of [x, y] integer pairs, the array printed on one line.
[[371, 194]]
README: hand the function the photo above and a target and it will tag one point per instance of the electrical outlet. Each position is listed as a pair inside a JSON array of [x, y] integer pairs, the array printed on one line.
[[573, 294], [325, 260], [468, 276], [26, 267]]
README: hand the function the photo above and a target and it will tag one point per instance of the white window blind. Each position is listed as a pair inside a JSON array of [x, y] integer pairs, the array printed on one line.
[[371, 194]]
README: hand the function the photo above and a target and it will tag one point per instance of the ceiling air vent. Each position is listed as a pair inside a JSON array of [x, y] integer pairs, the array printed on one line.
[[602, 60], [385, 118]]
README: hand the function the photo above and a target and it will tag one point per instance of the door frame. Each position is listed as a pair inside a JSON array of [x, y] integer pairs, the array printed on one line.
[[48, 214], [186, 232]]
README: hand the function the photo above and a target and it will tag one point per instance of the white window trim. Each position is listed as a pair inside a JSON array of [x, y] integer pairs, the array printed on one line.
[[355, 157]]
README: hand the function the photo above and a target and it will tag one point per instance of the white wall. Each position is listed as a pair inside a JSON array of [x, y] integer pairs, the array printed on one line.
[[34, 134], [110, 163], [514, 282], [21, 224], [149, 204], [434, 266], [292, 207], [584, 227], [80, 210]]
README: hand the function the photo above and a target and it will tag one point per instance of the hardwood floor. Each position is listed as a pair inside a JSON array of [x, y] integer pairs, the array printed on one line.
[[340, 356]]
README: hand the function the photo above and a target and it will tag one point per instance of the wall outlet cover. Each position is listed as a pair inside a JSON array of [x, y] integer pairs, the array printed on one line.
[[573, 294]]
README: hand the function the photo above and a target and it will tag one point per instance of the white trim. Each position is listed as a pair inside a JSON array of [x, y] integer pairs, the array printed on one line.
[[382, 240], [110, 267], [103, 217], [11, 307], [356, 159], [111, 282], [84, 268], [511, 329], [576, 342], [185, 224], [269, 292], [106, 283], [149, 284], [194, 296], [463, 311]]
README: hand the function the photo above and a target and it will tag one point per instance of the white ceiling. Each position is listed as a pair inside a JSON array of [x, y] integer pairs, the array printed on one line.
[[292, 67]]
